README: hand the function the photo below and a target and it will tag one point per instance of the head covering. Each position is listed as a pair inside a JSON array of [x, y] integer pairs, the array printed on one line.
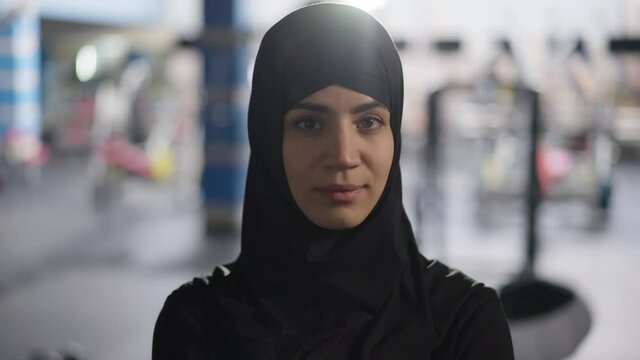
[[298, 291]]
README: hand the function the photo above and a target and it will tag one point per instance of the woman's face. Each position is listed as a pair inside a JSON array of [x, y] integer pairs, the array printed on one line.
[[337, 151]]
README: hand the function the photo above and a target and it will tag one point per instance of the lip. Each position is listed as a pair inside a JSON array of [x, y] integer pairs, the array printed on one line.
[[343, 193]]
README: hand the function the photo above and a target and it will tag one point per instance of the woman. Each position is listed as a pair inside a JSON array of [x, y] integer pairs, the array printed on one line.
[[329, 267]]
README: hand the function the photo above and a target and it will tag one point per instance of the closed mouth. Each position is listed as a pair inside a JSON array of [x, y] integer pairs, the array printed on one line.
[[341, 193], [339, 187]]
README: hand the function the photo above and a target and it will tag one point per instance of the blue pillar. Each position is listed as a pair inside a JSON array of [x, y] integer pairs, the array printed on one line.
[[224, 116], [20, 109]]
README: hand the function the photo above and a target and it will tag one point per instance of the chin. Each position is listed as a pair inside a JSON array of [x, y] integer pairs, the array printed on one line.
[[337, 222]]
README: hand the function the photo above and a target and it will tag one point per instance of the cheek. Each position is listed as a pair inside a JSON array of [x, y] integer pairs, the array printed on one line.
[[296, 162], [382, 158]]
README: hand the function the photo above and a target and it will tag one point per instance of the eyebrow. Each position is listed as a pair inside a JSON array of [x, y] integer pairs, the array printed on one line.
[[325, 109], [368, 106]]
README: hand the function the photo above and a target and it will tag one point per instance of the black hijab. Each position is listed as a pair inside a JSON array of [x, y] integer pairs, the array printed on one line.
[[308, 50], [298, 291]]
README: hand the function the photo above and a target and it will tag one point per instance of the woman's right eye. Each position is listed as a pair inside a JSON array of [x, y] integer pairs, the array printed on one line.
[[309, 124]]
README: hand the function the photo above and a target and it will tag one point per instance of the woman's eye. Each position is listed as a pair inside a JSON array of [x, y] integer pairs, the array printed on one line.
[[369, 123], [309, 124]]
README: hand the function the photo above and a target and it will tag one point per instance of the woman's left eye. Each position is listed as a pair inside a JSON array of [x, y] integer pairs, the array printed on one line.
[[369, 123]]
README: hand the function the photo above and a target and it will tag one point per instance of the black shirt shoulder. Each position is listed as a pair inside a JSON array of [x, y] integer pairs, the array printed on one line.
[[468, 317], [182, 330]]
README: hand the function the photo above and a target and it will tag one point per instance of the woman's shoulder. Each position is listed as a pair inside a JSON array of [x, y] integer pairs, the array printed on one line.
[[443, 282], [197, 289], [449, 290], [466, 313], [184, 325]]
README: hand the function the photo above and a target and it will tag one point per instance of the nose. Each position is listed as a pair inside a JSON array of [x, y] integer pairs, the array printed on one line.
[[343, 149]]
